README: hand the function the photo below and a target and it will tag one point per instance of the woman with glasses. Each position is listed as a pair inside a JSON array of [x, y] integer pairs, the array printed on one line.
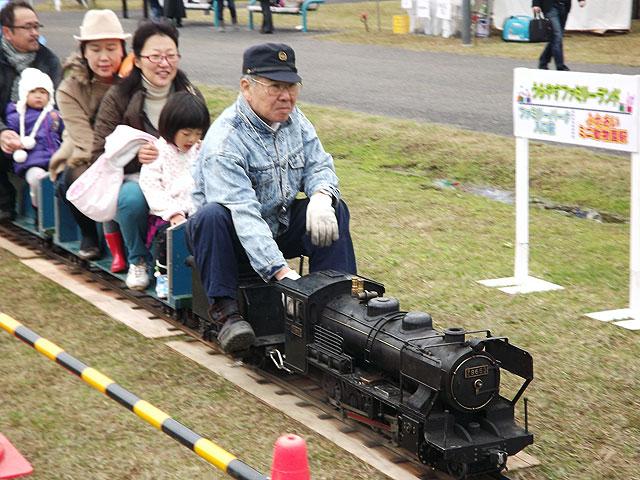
[[88, 75], [137, 102]]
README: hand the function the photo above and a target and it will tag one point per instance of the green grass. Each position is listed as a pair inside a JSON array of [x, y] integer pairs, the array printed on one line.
[[67, 430], [429, 247], [343, 23]]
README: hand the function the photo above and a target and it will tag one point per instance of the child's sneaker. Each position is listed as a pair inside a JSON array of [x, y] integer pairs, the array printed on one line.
[[162, 286], [137, 277]]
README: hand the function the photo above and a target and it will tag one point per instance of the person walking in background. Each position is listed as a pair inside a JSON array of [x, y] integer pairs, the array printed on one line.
[[88, 74], [157, 12], [39, 126], [267, 18], [174, 11], [557, 12], [220, 15], [19, 49]]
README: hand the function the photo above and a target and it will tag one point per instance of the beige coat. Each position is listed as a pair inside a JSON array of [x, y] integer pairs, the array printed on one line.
[[78, 98]]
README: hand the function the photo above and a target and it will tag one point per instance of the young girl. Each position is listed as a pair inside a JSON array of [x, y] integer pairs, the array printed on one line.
[[167, 183], [39, 126]]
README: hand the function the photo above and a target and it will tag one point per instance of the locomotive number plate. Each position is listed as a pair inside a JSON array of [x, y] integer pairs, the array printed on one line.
[[476, 371], [296, 330]]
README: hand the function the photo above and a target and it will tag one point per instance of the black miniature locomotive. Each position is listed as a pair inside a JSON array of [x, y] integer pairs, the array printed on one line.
[[436, 394]]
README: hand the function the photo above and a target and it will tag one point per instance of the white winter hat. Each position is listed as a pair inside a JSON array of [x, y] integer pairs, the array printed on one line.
[[31, 79]]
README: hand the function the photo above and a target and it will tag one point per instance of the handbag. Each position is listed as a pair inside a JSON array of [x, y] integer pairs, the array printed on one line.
[[540, 29], [95, 192]]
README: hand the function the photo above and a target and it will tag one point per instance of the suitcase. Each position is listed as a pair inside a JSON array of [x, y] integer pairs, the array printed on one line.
[[516, 29]]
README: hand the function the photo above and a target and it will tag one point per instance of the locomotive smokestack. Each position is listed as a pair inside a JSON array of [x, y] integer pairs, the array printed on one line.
[[454, 335]]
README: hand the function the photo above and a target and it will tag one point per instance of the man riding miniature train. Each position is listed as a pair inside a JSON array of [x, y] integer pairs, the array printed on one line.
[[255, 159]]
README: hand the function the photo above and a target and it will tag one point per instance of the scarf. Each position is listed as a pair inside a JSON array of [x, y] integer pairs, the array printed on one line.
[[17, 60]]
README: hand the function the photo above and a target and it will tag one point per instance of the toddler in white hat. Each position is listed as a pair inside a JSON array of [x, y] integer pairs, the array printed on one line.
[[38, 124]]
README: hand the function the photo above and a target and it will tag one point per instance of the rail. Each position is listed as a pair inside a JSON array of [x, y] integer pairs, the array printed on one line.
[[203, 447]]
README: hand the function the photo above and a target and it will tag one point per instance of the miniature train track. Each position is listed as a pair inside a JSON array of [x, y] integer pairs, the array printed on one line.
[[309, 392]]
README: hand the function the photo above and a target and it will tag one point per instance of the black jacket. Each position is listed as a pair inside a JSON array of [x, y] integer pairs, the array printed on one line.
[[45, 61], [546, 5]]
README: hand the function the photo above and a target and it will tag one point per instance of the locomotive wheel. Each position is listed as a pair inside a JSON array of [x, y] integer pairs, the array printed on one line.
[[458, 470]]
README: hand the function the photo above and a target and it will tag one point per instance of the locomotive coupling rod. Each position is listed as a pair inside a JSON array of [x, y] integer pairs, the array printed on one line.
[[205, 448]]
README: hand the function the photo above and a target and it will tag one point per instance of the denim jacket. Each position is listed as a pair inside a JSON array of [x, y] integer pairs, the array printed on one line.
[[256, 172]]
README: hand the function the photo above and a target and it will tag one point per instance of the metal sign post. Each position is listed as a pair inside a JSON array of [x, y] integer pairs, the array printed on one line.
[[630, 317], [521, 282], [587, 109]]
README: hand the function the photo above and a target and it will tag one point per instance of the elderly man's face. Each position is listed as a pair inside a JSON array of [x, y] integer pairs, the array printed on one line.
[[272, 101], [25, 31]]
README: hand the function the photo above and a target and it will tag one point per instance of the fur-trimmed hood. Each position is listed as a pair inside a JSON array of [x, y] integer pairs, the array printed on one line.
[[76, 67]]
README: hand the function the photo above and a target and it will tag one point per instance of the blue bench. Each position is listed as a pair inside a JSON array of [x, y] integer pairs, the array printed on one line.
[[301, 9]]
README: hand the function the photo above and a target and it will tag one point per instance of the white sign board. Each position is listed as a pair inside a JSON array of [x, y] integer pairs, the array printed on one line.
[[588, 109]]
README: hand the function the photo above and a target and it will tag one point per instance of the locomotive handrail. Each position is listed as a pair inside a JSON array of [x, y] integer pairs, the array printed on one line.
[[376, 329], [203, 447]]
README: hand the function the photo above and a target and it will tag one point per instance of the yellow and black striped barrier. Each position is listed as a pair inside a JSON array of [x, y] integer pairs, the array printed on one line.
[[208, 450]]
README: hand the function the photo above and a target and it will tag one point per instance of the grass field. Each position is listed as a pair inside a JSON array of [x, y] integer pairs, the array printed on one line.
[[342, 22], [429, 247]]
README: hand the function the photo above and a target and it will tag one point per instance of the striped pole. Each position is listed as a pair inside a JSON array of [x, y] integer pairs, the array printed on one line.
[[208, 450]]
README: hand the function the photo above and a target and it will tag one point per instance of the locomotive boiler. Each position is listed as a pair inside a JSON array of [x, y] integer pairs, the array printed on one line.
[[434, 393]]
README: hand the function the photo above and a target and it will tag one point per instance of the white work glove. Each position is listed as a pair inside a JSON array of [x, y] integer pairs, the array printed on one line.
[[322, 224], [291, 275]]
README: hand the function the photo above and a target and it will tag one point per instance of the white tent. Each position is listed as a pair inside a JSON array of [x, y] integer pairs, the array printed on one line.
[[597, 15]]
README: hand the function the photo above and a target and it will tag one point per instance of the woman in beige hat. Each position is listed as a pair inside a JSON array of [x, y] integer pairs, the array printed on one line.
[[88, 74]]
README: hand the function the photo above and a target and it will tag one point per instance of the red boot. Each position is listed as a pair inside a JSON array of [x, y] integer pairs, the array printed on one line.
[[114, 240]]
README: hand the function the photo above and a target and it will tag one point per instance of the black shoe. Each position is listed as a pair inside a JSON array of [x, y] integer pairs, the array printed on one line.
[[563, 68], [235, 334], [543, 67], [90, 253], [6, 216]]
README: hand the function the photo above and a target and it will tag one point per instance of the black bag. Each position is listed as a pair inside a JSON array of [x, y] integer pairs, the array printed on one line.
[[539, 29]]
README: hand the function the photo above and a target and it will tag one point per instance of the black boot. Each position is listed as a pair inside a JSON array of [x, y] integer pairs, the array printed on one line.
[[235, 332]]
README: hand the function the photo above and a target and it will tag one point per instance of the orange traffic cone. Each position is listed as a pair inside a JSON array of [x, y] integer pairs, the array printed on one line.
[[290, 459], [12, 464]]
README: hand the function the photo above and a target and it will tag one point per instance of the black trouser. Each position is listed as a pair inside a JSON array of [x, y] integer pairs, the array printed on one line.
[[267, 20], [87, 226], [232, 10], [7, 190], [220, 257]]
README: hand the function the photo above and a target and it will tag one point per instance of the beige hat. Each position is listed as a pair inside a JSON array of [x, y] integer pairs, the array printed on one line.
[[101, 25]]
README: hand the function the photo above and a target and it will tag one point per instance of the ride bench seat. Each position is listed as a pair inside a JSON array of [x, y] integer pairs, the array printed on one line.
[[296, 8]]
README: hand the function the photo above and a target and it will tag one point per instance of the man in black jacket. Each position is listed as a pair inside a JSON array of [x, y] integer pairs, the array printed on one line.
[[556, 11], [19, 49]]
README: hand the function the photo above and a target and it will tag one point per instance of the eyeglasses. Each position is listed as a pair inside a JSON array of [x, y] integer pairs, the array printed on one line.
[[29, 26], [155, 58], [275, 89]]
